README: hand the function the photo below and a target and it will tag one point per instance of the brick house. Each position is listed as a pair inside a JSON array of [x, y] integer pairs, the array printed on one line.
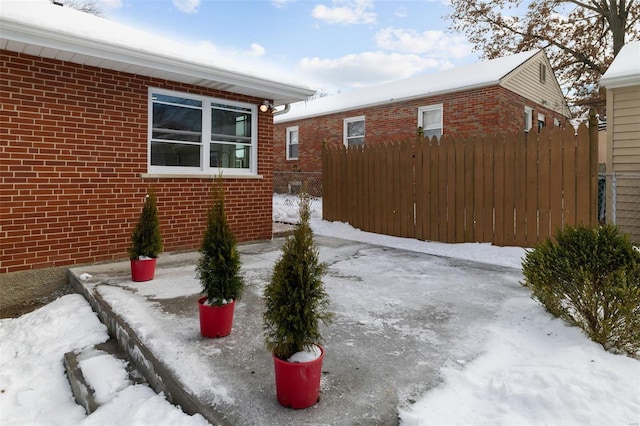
[[93, 113], [506, 94]]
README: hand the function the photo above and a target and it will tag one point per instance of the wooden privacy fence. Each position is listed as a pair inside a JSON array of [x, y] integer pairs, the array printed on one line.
[[510, 190]]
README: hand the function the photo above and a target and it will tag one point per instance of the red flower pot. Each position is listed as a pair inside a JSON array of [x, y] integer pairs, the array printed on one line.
[[215, 321], [298, 383], [143, 270]]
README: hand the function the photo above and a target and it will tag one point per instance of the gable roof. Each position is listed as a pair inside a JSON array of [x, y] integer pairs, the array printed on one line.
[[474, 76], [624, 71], [51, 31]]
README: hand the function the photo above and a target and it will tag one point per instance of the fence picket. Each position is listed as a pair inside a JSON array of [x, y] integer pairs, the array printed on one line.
[[543, 184], [498, 188], [531, 215]]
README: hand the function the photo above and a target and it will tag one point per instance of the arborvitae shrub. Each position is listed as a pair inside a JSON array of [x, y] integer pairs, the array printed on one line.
[[219, 265], [296, 300], [146, 239], [590, 277]]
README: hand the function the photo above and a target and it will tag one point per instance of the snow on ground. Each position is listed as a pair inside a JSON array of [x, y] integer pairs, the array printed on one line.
[[34, 389], [285, 209], [534, 370]]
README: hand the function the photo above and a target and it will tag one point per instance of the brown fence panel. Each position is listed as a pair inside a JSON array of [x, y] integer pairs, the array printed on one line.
[[499, 190], [544, 182], [408, 229], [555, 192], [478, 190], [513, 189], [419, 188], [510, 172], [459, 192], [378, 193], [531, 214], [569, 176], [520, 190], [434, 200], [469, 193], [488, 195]]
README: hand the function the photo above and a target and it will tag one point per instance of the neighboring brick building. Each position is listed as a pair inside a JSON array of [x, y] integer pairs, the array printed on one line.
[[500, 95], [93, 113]]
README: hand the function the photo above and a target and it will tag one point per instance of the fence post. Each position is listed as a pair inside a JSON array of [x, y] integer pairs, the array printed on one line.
[[593, 167]]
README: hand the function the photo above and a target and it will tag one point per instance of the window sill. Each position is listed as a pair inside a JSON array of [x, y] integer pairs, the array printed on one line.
[[196, 176]]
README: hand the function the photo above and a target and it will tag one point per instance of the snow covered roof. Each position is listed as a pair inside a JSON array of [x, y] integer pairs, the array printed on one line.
[[625, 69], [473, 76], [43, 29]]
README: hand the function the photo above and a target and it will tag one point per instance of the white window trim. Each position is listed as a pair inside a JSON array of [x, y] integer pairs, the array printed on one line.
[[423, 109], [541, 119], [288, 137], [528, 111], [204, 170], [346, 121]]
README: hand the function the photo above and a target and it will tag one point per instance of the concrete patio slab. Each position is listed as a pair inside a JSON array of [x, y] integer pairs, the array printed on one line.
[[400, 317]]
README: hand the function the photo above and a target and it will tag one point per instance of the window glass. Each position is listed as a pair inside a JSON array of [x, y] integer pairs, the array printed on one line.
[[230, 123], [292, 143], [430, 119], [354, 131], [232, 156], [176, 131], [184, 138]]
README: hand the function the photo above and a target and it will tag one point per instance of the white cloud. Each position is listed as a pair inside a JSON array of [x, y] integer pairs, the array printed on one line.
[[187, 6], [364, 69], [256, 50], [401, 12], [428, 42], [345, 12]]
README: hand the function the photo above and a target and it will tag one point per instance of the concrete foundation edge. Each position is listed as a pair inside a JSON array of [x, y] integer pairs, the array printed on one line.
[[158, 376]]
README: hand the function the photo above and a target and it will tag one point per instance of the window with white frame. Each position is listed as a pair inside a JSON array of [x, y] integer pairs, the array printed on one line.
[[430, 120], [528, 118], [541, 122], [354, 131], [292, 143], [198, 134]]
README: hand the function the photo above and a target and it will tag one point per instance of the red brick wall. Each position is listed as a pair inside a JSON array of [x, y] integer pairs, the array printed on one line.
[[492, 110], [72, 151]]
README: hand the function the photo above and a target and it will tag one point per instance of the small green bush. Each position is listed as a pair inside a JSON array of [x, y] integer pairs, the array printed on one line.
[[590, 277], [295, 297], [219, 265], [146, 239]]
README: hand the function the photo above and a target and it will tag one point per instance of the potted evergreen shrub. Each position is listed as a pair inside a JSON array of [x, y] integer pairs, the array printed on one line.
[[218, 270], [146, 240], [295, 304]]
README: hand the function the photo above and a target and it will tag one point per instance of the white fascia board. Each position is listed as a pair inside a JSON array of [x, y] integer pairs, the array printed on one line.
[[614, 82]]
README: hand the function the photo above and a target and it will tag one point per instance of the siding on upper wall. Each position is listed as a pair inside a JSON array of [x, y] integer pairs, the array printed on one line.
[[525, 81], [623, 157], [623, 122]]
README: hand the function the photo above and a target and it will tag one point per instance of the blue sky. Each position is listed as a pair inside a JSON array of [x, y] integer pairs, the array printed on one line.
[[329, 45]]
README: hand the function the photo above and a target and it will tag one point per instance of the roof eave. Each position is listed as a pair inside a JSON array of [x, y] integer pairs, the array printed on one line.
[[284, 119], [150, 63], [614, 81]]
